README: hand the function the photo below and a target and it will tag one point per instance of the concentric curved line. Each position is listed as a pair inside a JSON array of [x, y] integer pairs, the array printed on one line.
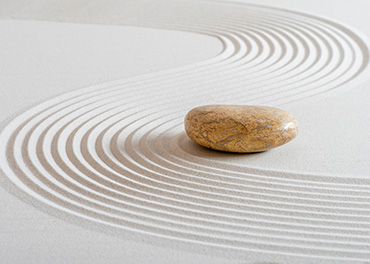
[[115, 154]]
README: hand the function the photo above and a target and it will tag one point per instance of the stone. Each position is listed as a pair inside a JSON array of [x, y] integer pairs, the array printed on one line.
[[240, 128]]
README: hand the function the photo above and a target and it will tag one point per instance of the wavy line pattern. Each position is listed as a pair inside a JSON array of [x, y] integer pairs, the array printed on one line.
[[116, 154]]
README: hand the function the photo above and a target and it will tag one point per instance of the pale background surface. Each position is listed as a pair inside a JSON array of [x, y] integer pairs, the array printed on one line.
[[42, 59]]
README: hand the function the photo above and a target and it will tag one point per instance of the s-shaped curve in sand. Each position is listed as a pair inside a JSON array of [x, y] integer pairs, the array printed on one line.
[[114, 155]]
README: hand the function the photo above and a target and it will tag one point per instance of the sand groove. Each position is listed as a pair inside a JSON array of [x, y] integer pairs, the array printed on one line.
[[116, 154]]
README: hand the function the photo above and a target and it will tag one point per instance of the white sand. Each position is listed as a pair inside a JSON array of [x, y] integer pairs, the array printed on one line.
[[118, 180]]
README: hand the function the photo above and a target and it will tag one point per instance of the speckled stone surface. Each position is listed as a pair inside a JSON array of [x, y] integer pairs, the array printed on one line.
[[240, 128]]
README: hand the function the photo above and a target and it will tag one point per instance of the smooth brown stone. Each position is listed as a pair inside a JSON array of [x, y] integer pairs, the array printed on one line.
[[240, 128]]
